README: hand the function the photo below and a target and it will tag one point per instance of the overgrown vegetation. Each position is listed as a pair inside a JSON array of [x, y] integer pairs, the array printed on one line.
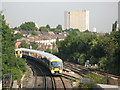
[[101, 50], [94, 78], [24, 44], [10, 64]]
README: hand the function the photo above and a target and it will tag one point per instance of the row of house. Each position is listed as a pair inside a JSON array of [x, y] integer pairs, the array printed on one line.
[[43, 39]]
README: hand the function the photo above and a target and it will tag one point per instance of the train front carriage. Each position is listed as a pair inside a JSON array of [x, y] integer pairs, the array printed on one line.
[[56, 67], [18, 53], [54, 63]]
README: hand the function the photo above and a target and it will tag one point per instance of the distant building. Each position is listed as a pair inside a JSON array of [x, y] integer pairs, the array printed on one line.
[[94, 29], [44, 40], [77, 20]]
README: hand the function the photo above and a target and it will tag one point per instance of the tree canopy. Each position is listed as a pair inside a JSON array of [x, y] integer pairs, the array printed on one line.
[[44, 29], [28, 26], [10, 64], [101, 50], [48, 26], [59, 27]]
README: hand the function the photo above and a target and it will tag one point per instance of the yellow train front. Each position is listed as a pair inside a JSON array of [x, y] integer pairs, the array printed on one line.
[[18, 53], [56, 67]]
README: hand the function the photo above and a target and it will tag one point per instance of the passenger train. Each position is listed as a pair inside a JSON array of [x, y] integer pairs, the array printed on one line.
[[54, 63]]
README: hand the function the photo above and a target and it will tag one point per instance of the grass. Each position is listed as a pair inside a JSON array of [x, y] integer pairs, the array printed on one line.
[[96, 78]]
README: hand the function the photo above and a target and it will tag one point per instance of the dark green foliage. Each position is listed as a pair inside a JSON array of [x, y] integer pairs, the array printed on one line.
[[59, 27], [34, 45], [114, 26], [28, 26], [48, 26], [34, 33], [18, 36], [44, 29], [24, 45], [96, 78], [48, 50], [10, 64], [101, 50]]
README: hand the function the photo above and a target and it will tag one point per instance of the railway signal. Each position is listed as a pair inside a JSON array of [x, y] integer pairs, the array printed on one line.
[[7, 80]]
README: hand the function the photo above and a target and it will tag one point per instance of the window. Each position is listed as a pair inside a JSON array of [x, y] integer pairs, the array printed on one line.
[[56, 63]]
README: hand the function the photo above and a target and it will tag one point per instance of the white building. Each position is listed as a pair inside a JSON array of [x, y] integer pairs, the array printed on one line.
[[77, 20], [48, 42], [94, 29]]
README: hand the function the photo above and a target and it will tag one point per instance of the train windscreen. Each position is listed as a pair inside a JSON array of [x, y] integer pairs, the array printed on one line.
[[56, 63]]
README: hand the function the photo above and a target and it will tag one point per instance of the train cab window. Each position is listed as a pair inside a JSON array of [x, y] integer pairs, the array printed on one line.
[[56, 63], [16, 52]]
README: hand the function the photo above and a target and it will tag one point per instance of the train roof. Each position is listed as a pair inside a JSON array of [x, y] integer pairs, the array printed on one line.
[[42, 53]]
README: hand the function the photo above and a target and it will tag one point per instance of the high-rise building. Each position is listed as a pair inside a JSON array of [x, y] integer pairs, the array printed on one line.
[[77, 20]]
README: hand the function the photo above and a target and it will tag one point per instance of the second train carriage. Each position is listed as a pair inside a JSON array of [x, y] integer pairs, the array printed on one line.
[[54, 63]]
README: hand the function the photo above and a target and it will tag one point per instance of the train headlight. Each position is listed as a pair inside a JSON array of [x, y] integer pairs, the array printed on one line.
[[52, 72], [60, 71]]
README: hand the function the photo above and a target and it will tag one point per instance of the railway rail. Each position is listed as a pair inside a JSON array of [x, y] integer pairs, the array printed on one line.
[[36, 85], [82, 71], [63, 83], [113, 79], [49, 81]]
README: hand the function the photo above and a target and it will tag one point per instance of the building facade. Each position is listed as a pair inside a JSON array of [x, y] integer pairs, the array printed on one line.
[[77, 20]]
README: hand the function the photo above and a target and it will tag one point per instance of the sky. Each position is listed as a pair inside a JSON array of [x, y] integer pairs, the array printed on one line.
[[102, 14]]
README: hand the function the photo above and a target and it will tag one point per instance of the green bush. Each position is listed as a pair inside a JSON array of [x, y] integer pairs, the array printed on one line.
[[96, 78], [34, 33], [87, 86]]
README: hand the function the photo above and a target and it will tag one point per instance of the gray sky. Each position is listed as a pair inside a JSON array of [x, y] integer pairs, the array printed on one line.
[[102, 14]]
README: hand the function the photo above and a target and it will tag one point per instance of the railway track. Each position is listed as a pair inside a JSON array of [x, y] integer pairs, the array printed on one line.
[[60, 83], [63, 83], [76, 67], [53, 83], [44, 79], [49, 81], [82, 71], [112, 79]]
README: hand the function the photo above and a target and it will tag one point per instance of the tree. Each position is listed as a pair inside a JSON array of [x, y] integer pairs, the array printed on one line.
[[28, 26], [24, 44], [34, 45], [34, 33], [10, 64], [18, 36], [102, 50], [59, 27], [48, 26], [114, 26], [44, 29]]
